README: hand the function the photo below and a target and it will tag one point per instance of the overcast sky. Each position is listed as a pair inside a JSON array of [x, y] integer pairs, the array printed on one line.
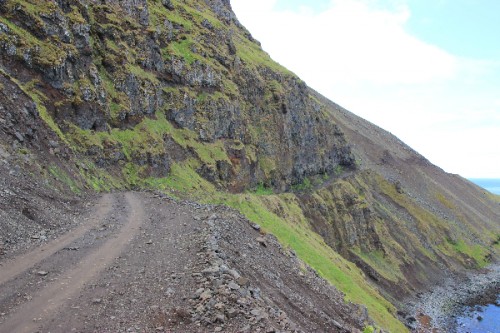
[[426, 70]]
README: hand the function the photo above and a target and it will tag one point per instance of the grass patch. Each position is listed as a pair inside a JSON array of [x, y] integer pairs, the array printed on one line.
[[183, 49], [45, 53], [253, 55], [99, 179], [158, 13], [143, 74], [304, 186], [382, 264], [183, 181], [476, 252], [268, 165], [39, 100], [311, 248], [444, 201], [63, 177], [262, 189]]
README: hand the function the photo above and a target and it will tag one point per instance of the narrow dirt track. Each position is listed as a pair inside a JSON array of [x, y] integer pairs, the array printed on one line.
[[43, 305], [28, 260], [146, 263]]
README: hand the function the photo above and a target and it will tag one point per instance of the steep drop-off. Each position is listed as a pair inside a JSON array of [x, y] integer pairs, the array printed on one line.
[[177, 96]]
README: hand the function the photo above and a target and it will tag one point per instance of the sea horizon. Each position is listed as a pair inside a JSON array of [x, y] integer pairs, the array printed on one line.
[[490, 184]]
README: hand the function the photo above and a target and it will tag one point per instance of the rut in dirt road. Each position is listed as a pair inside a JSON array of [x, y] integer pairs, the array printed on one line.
[[45, 303], [28, 260]]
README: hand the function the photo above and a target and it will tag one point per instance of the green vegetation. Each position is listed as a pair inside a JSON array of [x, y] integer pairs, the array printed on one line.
[[444, 201], [294, 232], [64, 178], [253, 55], [184, 181], [262, 189], [39, 99], [183, 50], [476, 252], [290, 227], [384, 265], [99, 179], [304, 186], [267, 165], [141, 73], [369, 329], [158, 14], [47, 53]]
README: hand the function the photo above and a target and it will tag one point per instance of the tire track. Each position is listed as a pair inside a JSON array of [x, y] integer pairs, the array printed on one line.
[[45, 305], [22, 263]]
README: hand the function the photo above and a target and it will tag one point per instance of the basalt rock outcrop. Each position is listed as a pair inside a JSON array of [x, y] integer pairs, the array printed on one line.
[[107, 66]]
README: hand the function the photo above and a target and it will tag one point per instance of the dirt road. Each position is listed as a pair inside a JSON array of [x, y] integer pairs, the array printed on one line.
[[51, 287], [28, 260], [140, 262]]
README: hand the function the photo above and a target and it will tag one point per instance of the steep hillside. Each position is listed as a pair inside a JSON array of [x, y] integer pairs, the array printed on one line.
[[177, 96]]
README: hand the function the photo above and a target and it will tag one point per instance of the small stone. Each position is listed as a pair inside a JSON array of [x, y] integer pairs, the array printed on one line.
[[233, 286], [234, 273], [160, 328], [35, 237], [231, 313], [207, 294], [19, 136], [53, 144], [96, 301], [256, 227], [242, 281], [337, 325], [168, 4], [42, 273], [218, 329], [220, 318], [261, 241], [149, 242], [255, 312], [211, 270]]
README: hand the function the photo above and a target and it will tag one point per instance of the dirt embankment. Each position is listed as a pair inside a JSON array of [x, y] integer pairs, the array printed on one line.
[[138, 262]]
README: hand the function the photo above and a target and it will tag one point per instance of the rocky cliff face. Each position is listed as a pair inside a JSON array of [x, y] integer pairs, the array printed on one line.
[[105, 67], [178, 96]]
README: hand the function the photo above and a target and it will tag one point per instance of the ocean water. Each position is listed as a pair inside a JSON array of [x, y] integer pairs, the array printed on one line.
[[480, 319], [492, 185]]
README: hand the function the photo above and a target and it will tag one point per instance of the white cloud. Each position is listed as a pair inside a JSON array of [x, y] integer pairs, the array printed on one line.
[[352, 41], [358, 53]]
